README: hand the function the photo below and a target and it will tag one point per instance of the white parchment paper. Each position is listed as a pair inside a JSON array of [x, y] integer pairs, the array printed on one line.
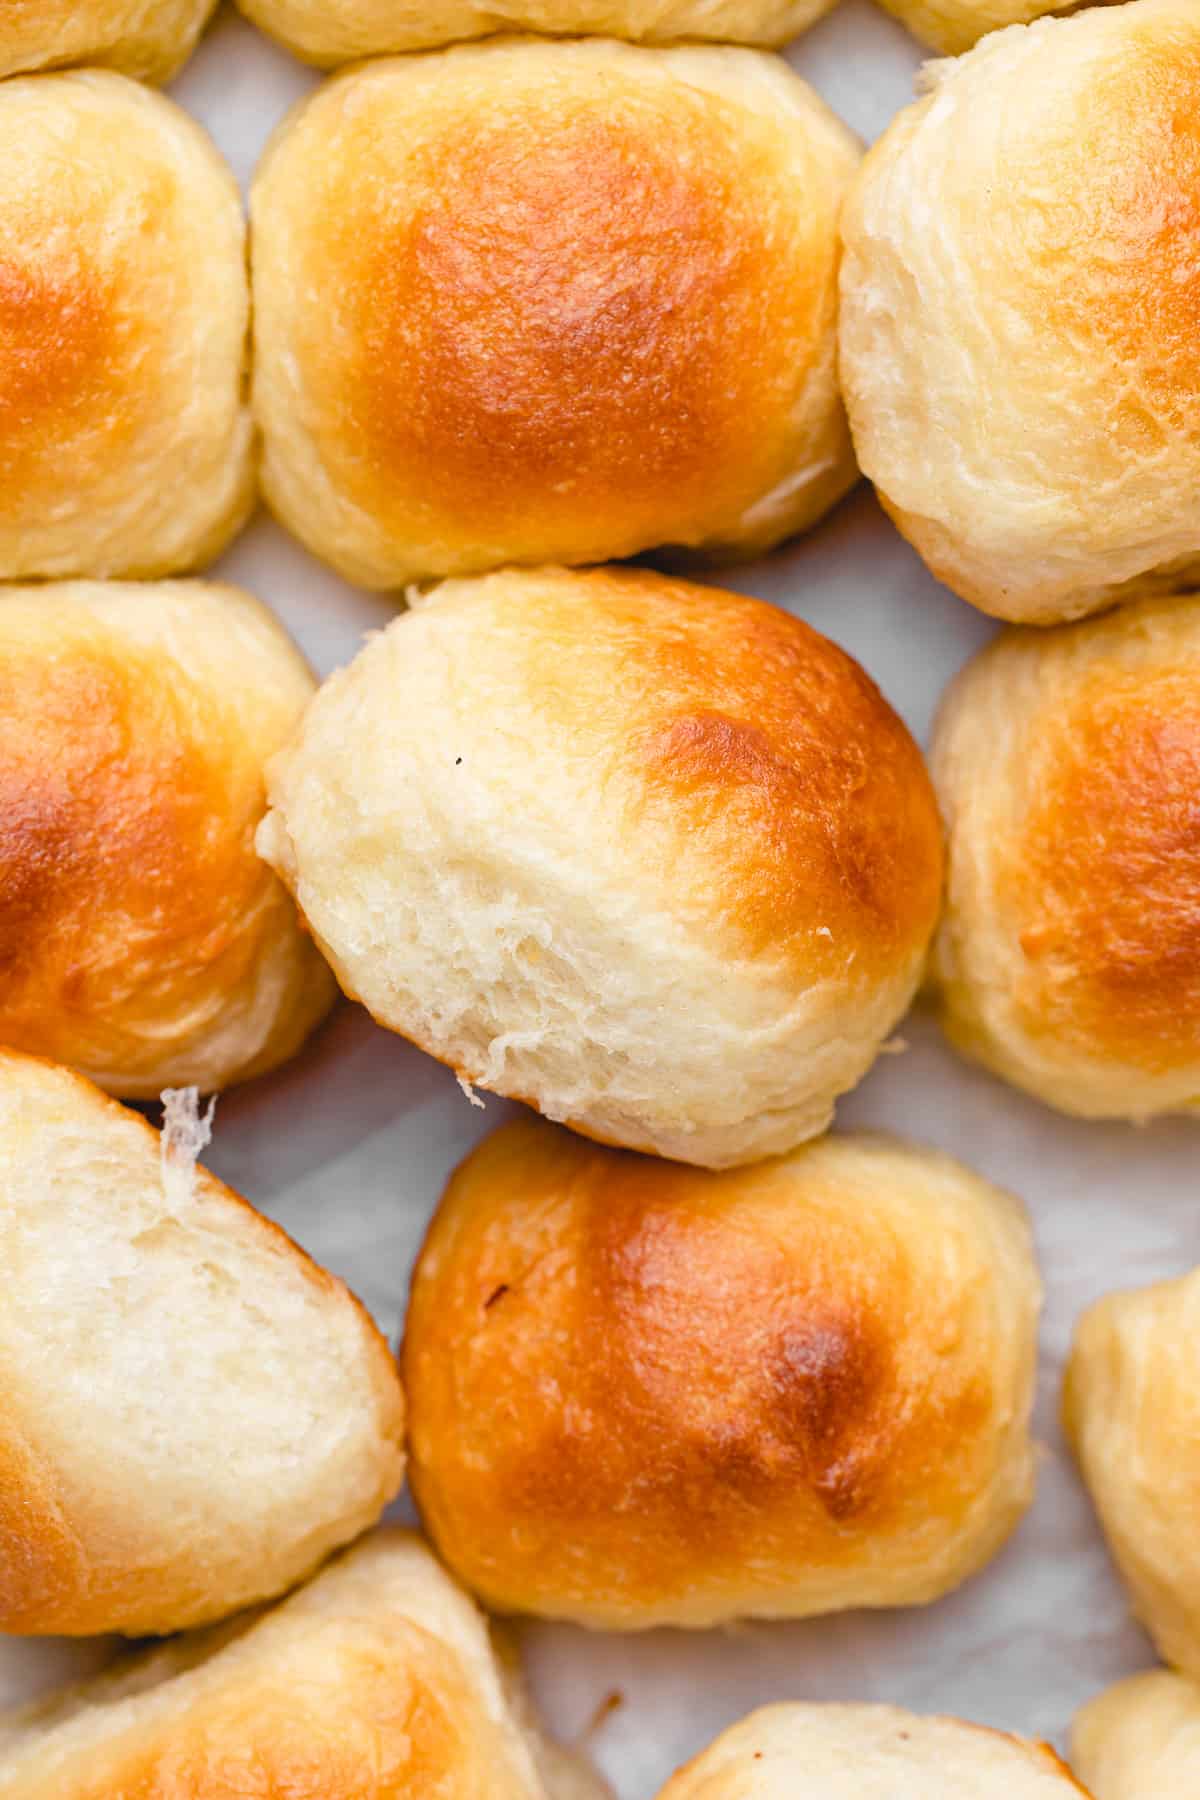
[[349, 1146]]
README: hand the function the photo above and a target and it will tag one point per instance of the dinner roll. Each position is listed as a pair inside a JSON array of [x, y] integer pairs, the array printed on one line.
[[338, 31], [954, 25], [648, 1395], [149, 39], [378, 1680], [194, 1414], [529, 302], [141, 937], [1131, 1408], [1068, 768], [659, 860], [1141, 1739], [867, 1753], [1020, 319], [124, 438]]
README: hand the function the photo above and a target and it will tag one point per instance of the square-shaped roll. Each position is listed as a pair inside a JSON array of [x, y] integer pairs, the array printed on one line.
[[125, 443]]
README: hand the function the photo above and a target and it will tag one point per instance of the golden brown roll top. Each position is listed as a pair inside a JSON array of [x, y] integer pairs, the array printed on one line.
[[124, 439], [194, 1415], [149, 39], [1020, 322], [642, 1394], [549, 302], [866, 1753], [1068, 768], [658, 859], [339, 31], [1141, 1739], [141, 937], [378, 1681], [1131, 1408]]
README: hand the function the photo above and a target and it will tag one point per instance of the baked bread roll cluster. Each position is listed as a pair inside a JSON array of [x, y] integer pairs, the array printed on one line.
[[194, 1415], [141, 938], [1067, 764], [646, 1395], [550, 302], [149, 39], [1141, 1739], [125, 441], [868, 1753], [376, 1681], [1132, 1411], [1018, 335], [339, 31], [657, 859]]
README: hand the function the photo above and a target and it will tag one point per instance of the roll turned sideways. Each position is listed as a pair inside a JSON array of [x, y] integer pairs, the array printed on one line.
[[658, 859], [795, 1752], [535, 301], [645, 1395]]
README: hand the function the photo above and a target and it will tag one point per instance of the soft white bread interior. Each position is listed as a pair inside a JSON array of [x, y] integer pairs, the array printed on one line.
[[194, 1414], [142, 940], [1020, 318], [534, 301], [657, 858], [377, 1681], [148, 39], [1140, 1740], [125, 437], [1131, 1406], [868, 1753]]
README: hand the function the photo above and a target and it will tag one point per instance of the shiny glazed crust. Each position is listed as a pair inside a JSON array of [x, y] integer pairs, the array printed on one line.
[[1067, 763], [549, 302], [643, 1395], [142, 940], [125, 441]]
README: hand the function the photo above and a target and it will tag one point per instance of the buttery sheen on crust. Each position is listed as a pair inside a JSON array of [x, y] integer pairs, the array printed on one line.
[[868, 1753], [644, 1395], [1067, 764], [1141, 1739], [142, 940], [1131, 1407], [125, 441], [1020, 314], [540, 301], [193, 1414], [149, 39], [340, 31], [378, 1681], [659, 859]]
